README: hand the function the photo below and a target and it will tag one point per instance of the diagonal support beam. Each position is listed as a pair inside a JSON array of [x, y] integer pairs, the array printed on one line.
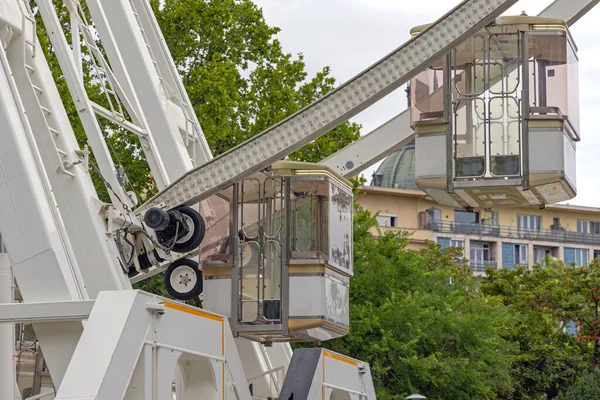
[[338, 106], [569, 11]]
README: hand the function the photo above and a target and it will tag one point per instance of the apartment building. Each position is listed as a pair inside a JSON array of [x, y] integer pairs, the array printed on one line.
[[498, 238]]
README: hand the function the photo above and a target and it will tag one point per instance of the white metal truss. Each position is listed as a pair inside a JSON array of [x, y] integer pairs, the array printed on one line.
[[163, 103], [41, 254], [333, 109], [395, 133], [134, 342]]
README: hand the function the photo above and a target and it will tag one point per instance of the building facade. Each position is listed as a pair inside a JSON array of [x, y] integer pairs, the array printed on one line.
[[498, 238]]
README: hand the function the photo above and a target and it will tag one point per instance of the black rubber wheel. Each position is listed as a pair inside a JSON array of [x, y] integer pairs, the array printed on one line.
[[183, 279], [197, 230]]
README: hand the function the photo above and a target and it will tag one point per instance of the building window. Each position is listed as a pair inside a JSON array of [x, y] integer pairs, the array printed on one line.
[[529, 222], [540, 254], [449, 242], [387, 220], [576, 257], [435, 214], [480, 252], [466, 217], [588, 227], [514, 254]]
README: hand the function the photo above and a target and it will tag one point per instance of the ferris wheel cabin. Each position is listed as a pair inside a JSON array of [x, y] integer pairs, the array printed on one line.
[[497, 119]]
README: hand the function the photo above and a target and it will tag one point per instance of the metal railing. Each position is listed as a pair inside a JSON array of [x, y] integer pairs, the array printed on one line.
[[561, 236], [481, 266]]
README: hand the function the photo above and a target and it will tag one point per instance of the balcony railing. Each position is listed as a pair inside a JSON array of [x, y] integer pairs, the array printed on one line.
[[481, 266], [561, 236]]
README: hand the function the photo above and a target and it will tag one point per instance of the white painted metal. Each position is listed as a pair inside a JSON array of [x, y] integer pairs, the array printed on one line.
[[8, 376], [117, 344], [336, 107], [395, 133], [116, 19], [131, 331], [56, 311], [372, 147], [569, 11], [96, 252], [41, 254], [80, 99]]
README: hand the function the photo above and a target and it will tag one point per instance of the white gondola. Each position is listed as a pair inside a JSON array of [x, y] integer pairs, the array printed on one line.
[[497, 119], [290, 236]]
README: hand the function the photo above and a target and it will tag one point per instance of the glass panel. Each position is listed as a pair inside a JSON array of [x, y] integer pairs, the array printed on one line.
[[468, 67], [469, 137], [250, 208], [427, 95], [272, 275], [304, 227], [554, 80], [273, 228], [273, 208], [215, 245], [340, 227], [250, 256], [504, 71], [466, 217]]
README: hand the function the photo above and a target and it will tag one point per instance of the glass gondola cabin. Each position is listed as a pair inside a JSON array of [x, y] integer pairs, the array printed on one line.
[[497, 119], [281, 267]]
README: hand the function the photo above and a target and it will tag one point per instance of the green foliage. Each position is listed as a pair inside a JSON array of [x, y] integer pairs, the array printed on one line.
[[588, 388], [549, 360], [420, 322], [237, 75]]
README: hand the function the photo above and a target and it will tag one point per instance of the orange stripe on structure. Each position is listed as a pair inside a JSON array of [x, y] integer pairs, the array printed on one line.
[[203, 314], [340, 358], [193, 311], [323, 389]]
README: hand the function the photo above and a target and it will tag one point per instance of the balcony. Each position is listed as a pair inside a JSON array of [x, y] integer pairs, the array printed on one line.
[[481, 266], [560, 236]]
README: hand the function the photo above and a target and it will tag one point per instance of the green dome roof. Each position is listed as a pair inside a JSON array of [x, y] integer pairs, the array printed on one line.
[[397, 170]]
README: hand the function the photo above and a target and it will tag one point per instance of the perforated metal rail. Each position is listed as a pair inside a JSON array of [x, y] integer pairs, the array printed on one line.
[[333, 109]]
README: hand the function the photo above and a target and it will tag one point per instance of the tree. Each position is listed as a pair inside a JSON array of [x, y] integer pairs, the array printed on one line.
[[419, 320], [588, 388], [237, 75], [580, 295], [549, 360]]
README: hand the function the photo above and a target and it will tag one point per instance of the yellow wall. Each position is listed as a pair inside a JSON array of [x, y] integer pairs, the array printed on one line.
[[407, 204]]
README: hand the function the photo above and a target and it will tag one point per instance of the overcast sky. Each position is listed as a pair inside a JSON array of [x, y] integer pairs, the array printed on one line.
[[350, 35]]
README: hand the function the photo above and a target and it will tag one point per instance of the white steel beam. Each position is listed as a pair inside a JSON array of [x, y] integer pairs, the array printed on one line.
[[121, 75], [394, 134], [116, 19], [81, 101], [133, 343], [8, 376], [338, 106], [372, 147], [96, 252], [50, 311], [43, 261], [569, 11]]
